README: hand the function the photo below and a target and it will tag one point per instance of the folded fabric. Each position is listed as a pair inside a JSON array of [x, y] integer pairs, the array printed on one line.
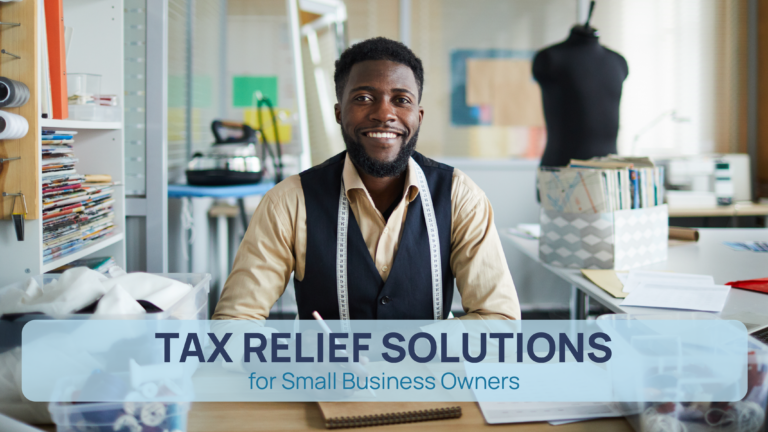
[[160, 291], [759, 285], [89, 291], [117, 301]]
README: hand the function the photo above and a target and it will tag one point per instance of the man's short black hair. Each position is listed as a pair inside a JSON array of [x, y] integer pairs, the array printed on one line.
[[378, 48]]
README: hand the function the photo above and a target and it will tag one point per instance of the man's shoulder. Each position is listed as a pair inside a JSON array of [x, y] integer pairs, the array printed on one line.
[[287, 191], [464, 190], [461, 179]]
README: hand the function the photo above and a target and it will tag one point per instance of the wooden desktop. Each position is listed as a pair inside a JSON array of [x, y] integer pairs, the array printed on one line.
[[300, 416]]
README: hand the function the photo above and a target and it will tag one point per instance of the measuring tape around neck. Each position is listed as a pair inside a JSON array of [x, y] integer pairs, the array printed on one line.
[[434, 250]]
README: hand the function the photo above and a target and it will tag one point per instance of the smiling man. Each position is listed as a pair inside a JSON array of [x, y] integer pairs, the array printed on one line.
[[378, 231]]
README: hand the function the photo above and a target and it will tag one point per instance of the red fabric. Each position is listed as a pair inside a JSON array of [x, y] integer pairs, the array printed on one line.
[[759, 285]]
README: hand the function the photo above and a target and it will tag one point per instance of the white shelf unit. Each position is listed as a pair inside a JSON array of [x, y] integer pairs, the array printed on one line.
[[78, 124], [96, 47], [99, 245]]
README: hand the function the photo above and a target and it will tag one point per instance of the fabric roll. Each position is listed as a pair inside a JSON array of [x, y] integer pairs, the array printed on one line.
[[12, 126], [13, 93]]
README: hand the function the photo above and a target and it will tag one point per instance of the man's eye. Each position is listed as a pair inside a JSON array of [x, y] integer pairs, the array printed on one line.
[[363, 98], [403, 100]]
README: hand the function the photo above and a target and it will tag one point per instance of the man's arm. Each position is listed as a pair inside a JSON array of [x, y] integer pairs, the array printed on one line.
[[265, 259], [477, 258]]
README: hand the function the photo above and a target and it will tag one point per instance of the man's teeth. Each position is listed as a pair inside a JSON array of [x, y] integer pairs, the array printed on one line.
[[382, 135]]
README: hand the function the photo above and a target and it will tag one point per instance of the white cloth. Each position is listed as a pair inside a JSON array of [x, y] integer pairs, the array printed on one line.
[[160, 291], [80, 286], [117, 301], [75, 289]]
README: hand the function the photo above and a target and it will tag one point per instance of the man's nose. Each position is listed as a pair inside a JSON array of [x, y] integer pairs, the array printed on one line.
[[383, 112]]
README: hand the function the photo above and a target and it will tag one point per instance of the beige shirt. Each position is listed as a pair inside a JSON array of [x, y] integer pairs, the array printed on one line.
[[275, 245]]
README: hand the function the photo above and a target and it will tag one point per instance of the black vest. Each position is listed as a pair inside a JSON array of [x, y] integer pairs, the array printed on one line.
[[407, 294]]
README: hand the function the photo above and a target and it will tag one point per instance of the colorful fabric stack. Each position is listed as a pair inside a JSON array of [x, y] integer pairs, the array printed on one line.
[[76, 209]]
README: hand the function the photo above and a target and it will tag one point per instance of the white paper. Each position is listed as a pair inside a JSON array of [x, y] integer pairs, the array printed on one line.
[[522, 412], [709, 298], [562, 422], [635, 278], [534, 230]]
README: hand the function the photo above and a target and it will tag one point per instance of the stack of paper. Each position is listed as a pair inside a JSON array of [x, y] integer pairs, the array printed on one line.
[[554, 412], [674, 291]]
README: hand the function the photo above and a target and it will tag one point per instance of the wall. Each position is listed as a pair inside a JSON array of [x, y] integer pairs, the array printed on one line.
[[683, 55]]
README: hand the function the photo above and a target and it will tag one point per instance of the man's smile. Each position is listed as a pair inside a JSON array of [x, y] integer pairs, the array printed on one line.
[[383, 136]]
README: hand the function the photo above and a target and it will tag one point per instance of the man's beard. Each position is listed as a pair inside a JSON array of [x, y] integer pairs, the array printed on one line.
[[376, 168]]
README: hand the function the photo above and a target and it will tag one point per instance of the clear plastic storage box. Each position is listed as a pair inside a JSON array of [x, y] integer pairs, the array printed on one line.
[[746, 415], [120, 416], [193, 306], [82, 88], [99, 113]]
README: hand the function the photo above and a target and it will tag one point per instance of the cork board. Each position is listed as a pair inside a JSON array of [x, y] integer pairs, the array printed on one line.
[[507, 86]]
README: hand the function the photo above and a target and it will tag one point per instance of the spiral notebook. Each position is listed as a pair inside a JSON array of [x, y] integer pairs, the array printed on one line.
[[359, 414]]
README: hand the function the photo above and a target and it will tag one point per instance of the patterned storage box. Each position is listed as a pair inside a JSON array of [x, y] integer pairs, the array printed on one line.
[[620, 240]]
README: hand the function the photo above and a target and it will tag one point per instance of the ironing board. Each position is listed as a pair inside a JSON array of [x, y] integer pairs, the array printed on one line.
[[222, 230]]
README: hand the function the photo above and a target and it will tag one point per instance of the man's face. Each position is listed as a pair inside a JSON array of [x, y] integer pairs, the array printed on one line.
[[379, 114]]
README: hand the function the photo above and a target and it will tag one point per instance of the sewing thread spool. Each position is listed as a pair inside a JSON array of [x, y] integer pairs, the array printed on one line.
[[749, 416], [12, 126], [654, 421], [153, 414], [13, 93]]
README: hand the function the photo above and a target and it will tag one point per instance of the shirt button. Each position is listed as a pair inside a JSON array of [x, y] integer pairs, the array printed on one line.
[[386, 230], [384, 268], [385, 300]]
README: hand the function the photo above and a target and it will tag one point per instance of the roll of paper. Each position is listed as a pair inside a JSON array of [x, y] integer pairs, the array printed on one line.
[[13, 93], [12, 126], [689, 234]]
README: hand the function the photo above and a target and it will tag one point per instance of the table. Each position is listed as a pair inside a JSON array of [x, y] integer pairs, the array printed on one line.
[[222, 230], [300, 416], [239, 192], [707, 256], [733, 211]]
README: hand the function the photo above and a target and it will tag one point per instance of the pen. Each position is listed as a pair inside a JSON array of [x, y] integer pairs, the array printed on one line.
[[363, 359]]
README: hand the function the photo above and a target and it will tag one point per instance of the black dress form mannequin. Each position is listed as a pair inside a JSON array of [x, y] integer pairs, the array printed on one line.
[[580, 84]]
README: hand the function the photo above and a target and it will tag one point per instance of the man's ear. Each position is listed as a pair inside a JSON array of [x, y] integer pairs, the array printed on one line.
[[337, 111], [421, 114]]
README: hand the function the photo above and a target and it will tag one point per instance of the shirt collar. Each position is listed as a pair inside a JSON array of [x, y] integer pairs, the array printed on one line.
[[352, 180]]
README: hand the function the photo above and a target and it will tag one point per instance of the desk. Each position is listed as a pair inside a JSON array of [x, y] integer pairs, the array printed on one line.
[[733, 211], [300, 416], [707, 256]]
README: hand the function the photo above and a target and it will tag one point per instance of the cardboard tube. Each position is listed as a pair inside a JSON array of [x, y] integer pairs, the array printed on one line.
[[688, 234]]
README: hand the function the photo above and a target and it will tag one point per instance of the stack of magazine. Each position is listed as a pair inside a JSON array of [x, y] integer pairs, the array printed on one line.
[[602, 185], [77, 209]]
